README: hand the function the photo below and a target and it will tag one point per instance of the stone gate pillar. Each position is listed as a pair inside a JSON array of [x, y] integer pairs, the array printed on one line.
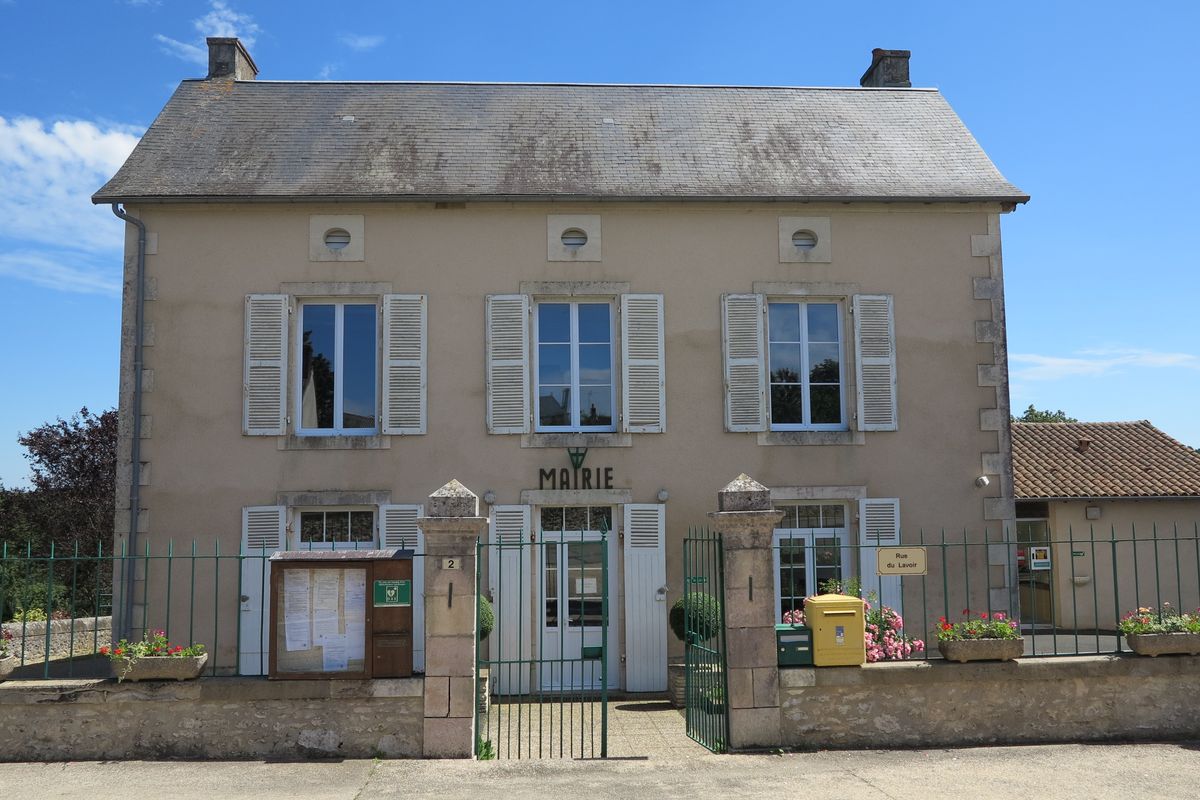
[[747, 521], [452, 525]]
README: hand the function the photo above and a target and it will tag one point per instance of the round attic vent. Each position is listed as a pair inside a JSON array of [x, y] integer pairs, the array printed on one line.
[[574, 238], [337, 239], [804, 240]]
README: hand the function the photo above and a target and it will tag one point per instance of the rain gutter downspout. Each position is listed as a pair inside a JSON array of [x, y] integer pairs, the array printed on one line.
[[135, 476]]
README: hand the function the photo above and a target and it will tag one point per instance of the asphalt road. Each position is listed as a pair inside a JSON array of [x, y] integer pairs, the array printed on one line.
[[1058, 771]]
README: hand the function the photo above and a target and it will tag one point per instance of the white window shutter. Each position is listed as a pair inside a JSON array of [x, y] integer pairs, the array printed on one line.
[[264, 379], [879, 526], [263, 534], [509, 568], [745, 364], [404, 363], [643, 368], [645, 597], [399, 528], [875, 362], [508, 363]]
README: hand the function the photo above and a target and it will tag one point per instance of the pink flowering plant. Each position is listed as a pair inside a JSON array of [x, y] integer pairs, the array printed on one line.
[[978, 625], [885, 637], [154, 644], [1167, 620], [5, 638]]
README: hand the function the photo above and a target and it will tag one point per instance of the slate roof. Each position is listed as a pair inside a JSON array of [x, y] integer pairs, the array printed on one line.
[[219, 139], [1121, 459]]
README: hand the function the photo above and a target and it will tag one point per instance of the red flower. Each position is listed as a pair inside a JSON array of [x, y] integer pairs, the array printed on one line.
[[983, 615], [118, 651], [946, 626], [103, 651]]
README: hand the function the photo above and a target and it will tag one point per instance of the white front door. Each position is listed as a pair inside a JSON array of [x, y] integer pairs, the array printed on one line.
[[577, 565]]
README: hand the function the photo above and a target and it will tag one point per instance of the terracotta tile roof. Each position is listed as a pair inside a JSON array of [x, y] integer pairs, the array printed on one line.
[[1101, 459]]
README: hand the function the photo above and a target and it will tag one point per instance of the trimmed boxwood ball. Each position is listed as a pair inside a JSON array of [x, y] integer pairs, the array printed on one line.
[[704, 612], [487, 620]]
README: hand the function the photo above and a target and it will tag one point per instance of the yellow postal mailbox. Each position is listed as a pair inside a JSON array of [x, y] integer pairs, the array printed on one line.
[[838, 626]]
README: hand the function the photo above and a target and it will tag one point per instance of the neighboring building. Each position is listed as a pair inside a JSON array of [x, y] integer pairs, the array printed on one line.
[[1088, 491], [357, 291]]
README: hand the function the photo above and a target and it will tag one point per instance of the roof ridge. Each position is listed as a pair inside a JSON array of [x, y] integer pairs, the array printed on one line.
[[584, 84]]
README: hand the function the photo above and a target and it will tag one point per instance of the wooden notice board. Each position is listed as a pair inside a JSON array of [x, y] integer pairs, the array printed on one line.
[[321, 619]]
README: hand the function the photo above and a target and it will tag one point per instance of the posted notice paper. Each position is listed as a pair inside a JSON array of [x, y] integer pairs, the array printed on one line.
[[333, 654], [295, 609]]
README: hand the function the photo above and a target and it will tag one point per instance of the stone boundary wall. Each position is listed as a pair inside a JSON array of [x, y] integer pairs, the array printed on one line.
[[1037, 700], [91, 633], [211, 718]]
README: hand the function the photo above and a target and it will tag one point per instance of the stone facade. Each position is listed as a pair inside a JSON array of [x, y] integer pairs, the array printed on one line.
[[210, 718], [935, 704], [89, 634]]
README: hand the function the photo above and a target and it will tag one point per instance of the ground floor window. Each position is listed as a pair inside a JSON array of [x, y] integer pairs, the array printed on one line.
[[335, 528], [811, 549]]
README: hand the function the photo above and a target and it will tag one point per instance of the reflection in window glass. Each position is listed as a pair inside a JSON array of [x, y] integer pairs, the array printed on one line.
[[358, 370], [793, 578], [552, 518], [575, 366], [804, 363], [576, 518], [338, 372], [317, 367], [337, 527], [585, 599], [551, 587]]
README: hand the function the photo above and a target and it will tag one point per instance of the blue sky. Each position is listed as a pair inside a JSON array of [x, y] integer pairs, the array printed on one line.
[[1092, 108]]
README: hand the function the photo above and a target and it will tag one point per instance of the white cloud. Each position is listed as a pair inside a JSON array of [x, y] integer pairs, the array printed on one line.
[[221, 20], [65, 271], [48, 172], [361, 42], [1095, 363], [326, 72]]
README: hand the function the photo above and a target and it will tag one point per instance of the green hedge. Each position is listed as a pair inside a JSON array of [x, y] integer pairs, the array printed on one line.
[[487, 619], [701, 613]]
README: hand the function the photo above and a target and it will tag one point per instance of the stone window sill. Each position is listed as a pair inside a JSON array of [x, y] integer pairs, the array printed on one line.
[[576, 440], [376, 442], [811, 438]]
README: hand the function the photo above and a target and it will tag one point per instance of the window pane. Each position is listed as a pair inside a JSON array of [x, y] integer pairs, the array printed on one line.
[[595, 363], [362, 526], [785, 363], [789, 516], [833, 516], [317, 378], [554, 363], [337, 526], [594, 319], [783, 322], [552, 519], [823, 361], [826, 404], [600, 518], [808, 516], [358, 366], [595, 405], [584, 578], [554, 405], [551, 581], [787, 404], [312, 526], [822, 322], [554, 322], [576, 518]]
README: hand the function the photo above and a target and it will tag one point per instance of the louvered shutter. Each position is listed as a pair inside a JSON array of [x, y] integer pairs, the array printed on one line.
[[404, 363], [875, 359], [879, 526], [399, 527], [263, 533], [745, 364], [643, 370], [511, 574], [508, 363], [264, 379], [645, 598]]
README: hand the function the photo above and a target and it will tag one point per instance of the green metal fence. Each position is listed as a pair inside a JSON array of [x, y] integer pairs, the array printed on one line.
[[544, 669], [195, 593], [1067, 590], [706, 686]]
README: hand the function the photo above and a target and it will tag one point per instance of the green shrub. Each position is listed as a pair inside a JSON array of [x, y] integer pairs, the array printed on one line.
[[30, 615], [698, 612], [487, 619]]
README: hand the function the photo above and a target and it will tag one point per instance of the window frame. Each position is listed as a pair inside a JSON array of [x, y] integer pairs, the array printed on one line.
[[293, 539], [535, 364], [805, 369], [808, 537], [339, 304]]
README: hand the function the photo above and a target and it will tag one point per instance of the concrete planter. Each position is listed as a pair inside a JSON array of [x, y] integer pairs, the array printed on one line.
[[1161, 644], [159, 668], [982, 650], [7, 665], [677, 683]]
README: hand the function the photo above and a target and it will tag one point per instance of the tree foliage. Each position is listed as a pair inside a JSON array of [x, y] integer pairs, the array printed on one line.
[[1038, 415]]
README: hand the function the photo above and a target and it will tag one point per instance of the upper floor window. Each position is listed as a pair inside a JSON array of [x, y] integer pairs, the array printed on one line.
[[574, 366], [805, 365], [338, 368]]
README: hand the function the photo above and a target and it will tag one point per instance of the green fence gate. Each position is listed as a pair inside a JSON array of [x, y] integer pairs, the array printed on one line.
[[544, 671], [707, 687]]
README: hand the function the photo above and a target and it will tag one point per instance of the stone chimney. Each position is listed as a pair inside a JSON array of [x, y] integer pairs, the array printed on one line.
[[227, 58], [889, 69]]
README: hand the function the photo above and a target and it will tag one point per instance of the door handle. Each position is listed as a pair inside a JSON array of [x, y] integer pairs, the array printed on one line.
[[245, 598]]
